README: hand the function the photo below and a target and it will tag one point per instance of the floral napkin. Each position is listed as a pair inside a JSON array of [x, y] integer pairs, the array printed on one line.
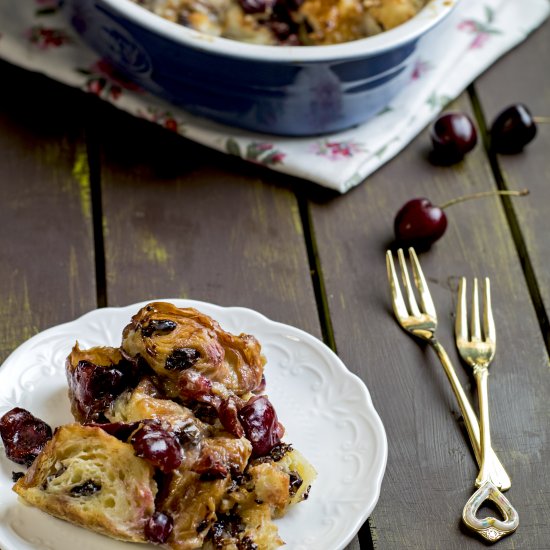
[[35, 35]]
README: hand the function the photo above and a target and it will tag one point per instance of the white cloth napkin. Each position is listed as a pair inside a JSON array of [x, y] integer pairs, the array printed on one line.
[[35, 35]]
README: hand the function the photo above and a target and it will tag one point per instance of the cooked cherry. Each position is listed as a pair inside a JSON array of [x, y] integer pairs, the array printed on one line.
[[158, 528], [158, 446], [513, 129], [228, 414], [194, 386], [182, 358], [453, 135], [158, 327], [261, 426], [95, 387], [120, 430], [256, 6], [23, 435], [419, 223]]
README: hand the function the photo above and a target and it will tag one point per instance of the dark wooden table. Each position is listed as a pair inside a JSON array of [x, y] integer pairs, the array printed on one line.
[[101, 209]]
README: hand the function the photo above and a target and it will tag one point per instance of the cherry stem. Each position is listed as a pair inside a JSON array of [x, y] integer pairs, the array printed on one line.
[[481, 194], [541, 119]]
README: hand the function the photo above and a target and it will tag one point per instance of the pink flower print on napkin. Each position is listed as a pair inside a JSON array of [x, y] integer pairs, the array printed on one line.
[[107, 81], [336, 150], [166, 119], [481, 31], [421, 67], [45, 38]]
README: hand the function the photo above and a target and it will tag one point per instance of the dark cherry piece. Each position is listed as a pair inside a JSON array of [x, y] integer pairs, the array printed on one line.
[[261, 426], [419, 223], [228, 413], [453, 135], [158, 446], [257, 6], [158, 528], [23, 435], [120, 430], [182, 358], [512, 129], [158, 327], [95, 387]]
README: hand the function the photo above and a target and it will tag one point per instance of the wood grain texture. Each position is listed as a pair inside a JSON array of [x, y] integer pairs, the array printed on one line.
[[431, 470], [183, 221], [522, 76], [46, 267]]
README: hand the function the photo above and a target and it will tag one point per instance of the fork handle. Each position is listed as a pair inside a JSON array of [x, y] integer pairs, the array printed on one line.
[[481, 374], [494, 468]]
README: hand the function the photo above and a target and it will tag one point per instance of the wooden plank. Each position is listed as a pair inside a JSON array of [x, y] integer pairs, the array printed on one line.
[[431, 470], [184, 221], [521, 77], [46, 267]]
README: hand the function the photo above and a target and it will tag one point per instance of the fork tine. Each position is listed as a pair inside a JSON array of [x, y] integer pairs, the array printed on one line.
[[476, 326], [488, 321], [461, 321], [413, 306], [420, 282], [399, 307]]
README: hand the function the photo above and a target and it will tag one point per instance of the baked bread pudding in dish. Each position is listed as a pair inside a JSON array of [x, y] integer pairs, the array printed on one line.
[[287, 22], [174, 440]]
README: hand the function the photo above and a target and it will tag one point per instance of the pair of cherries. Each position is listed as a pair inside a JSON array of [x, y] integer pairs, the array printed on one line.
[[420, 223], [454, 134]]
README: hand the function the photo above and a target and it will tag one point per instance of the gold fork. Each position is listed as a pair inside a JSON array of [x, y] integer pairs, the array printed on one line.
[[423, 324], [478, 350]]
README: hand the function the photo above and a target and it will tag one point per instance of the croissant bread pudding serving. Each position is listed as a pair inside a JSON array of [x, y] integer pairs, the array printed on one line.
[[174, 440]]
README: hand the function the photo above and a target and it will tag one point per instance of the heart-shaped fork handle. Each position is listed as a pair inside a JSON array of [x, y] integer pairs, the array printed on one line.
[[490, 528], [478, 351]]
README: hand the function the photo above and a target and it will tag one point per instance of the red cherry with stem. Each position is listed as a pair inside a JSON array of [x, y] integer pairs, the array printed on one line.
[[420, 223], [453, 135], [513, 129]]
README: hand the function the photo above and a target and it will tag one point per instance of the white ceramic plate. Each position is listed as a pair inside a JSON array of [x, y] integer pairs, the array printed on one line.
[[327, 412]]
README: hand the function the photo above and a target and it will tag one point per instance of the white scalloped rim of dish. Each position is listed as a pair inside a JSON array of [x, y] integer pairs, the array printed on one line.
[[326, 409]]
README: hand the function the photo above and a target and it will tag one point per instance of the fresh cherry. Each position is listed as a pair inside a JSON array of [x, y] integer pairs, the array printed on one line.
[[453, 135], [419, 223], [513, 129]]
